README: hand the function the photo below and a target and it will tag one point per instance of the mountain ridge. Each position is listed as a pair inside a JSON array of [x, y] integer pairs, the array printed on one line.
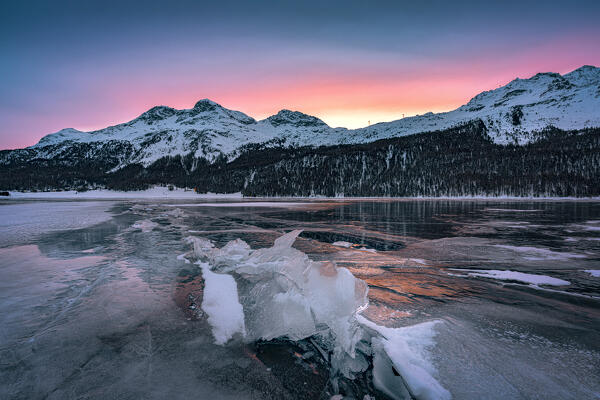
[[513, 113]]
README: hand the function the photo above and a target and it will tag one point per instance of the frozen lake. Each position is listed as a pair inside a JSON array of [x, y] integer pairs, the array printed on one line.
[[102, 299]]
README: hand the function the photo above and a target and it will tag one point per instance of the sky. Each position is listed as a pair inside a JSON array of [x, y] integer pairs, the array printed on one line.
[[90, 64]]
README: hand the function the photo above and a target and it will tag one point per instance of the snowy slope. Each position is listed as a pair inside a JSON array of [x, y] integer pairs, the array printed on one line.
[[511, 114], [568, 102]]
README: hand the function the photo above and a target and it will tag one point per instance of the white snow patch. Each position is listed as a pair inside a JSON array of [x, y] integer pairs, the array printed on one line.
[[243, 204], [368, 249], [510, 210], [341, 243], [573, 239], [538, 254], [592, 228], [593, 272], [145, 225], [348, 245], [221, 305], [182, 257], [532, 279]]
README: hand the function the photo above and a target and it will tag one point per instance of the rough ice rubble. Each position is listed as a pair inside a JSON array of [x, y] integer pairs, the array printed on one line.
[[284, 294], [407, 349]]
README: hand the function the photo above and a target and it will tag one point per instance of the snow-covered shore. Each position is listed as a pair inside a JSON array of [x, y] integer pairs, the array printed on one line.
[[157, 192], [161, 192]]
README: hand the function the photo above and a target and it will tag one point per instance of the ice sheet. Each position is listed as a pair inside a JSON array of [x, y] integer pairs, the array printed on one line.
[[22, 222]]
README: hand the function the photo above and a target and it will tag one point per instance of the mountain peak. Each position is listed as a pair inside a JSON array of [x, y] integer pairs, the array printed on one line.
[[205, 105], [587, 68], [57, 137], [157, 113], [585, 75], [545, 75], [295, 118], [68, 131]]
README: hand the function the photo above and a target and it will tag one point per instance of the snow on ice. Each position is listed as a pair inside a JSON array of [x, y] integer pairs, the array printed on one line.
[[220, 303], [507, 275], [145, 225]]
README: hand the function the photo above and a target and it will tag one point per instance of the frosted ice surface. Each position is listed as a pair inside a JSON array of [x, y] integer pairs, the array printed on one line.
[[21, 222]]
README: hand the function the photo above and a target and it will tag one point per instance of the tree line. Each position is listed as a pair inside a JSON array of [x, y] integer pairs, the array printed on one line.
[[462, 161]]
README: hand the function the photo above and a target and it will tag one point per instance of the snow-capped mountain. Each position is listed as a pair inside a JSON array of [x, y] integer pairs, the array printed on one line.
[[511, 114], [206, 130]]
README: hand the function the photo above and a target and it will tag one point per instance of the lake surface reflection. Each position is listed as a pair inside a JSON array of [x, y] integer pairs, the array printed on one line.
[[97, 299]]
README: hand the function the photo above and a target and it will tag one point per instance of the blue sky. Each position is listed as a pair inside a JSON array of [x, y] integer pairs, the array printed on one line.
[[89, 64]]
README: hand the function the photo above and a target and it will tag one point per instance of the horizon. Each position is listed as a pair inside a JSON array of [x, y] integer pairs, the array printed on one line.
[[351, 66]]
